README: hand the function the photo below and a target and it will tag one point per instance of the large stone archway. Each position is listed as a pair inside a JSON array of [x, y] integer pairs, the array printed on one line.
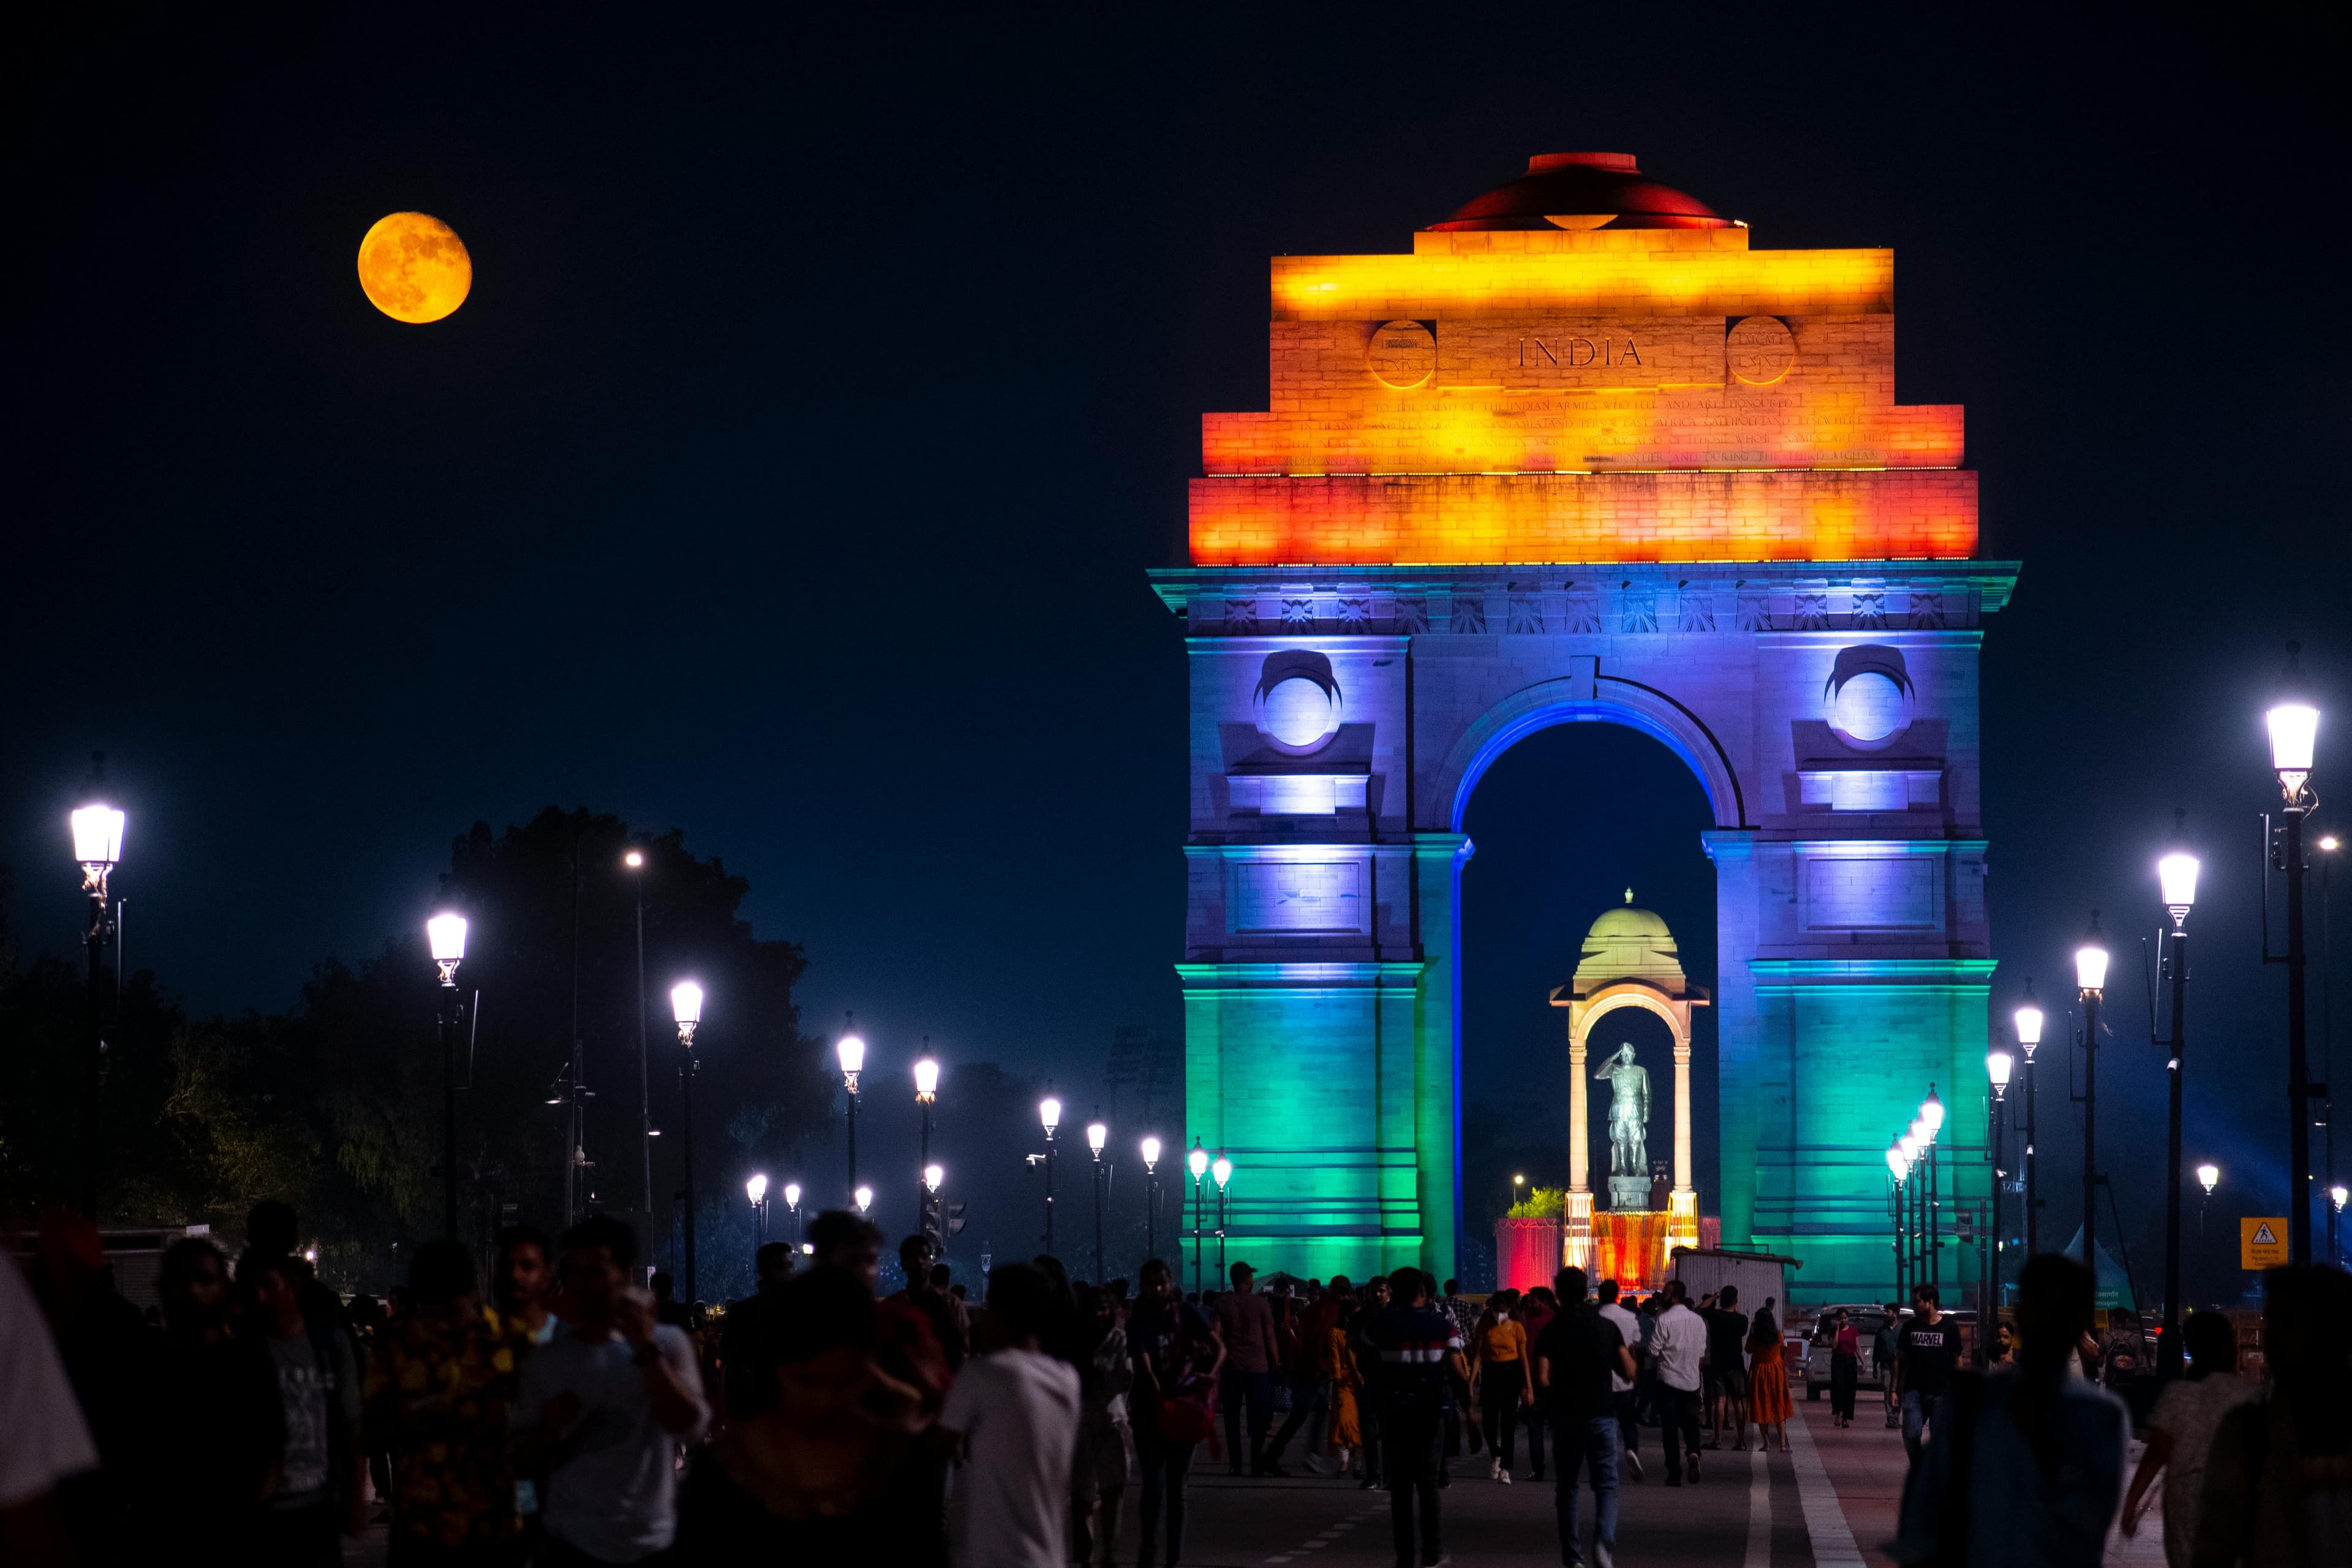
[[1535, 474]]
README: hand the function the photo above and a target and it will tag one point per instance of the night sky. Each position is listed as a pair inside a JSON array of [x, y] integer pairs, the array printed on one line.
[[791, 474]]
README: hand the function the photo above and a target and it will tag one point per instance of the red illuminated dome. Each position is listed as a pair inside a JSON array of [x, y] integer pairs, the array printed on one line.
[[1584, 190]]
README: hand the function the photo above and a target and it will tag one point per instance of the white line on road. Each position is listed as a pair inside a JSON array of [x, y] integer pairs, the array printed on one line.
[[1832, 1539], [1759, 1509]]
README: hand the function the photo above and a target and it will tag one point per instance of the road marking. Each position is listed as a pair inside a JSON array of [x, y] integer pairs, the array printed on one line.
[[1834, 1545], [1759, 1509]]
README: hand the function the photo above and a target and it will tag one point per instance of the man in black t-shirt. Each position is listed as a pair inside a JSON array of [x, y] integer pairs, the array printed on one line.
[[1927, 1354], [1574, 1357], [1726, 1361]]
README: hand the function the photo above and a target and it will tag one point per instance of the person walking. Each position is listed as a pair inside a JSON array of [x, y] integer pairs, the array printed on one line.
[[1015, 1414], [319, 1478], [1580, 1358], [1176, 1355], [1630, 1325], [1769, 1401], [1367, 1354], [1882, 1362], [1245, 1322], [1537, 1310], [1845, 1369], [2180, 1430], [2028, 1470], [1339, 1372], [1727, 1367], [1501, 1379], [1098, 1464], [1677, 1344], [1419, 1350], [606, 1405], [1927, 1354], [2278, 1481]]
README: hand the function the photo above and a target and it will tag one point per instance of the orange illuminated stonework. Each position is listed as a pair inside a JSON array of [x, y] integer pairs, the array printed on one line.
[[1566, 394]]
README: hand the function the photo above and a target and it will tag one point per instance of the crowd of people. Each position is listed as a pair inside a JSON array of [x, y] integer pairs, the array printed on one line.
[[566, 1416]]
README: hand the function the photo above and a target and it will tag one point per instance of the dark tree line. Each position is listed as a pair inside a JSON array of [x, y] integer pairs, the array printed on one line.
[[334, 1104]]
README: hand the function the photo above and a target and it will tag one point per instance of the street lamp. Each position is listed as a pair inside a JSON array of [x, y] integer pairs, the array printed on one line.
[[756, 1189], [1518, 1181], [851, 1051], [1999, 1067], [1197, 1162], [927, 1091], [1151, 1148], [1097, 1134], [97, 847], [445, 937], [864, 1198], [686, 1007], [1049, 1111], [2090, 985], [2293, 721], [2176, 875], [1898, 1165], [1931, 1122], [792, 1207], [1222, 1170], [635, 860], [2209, 1176], [2028, 1017]]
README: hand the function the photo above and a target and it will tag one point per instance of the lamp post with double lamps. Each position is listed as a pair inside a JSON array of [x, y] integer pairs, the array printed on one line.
[[2176, 875], [1097, 1134], [927, 1091], [2090, 985], [850, 1051], [445, 935], [97, 847], [1049, 1112], [686, 1007], [1222, 1170], [1998, 1066], [2028, 1035], [756, 1189], [2294, 723], [1197, 1162], [1151, 1150]]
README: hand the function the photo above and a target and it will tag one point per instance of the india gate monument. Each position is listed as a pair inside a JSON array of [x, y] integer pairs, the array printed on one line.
[[1583, 454]]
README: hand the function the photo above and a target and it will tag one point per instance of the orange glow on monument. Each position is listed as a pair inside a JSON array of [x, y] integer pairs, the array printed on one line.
[[1532, 385], [413, 267]]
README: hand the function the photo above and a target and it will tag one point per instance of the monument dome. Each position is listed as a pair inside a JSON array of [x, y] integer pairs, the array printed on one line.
[[1583, 189], [1629, 943]]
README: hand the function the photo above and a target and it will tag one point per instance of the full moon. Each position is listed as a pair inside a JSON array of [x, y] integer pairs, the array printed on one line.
[[413, 267]]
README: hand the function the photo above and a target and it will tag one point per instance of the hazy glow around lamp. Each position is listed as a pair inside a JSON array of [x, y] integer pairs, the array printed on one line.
[[1998, 1065], [1931, 1113], [446, 935], [2337, 1193], [851, 1053], [98, 836], [685, 1005], [933, 1175], [927, 1078], [2177, 875], [865, 1197], [2028, 1022], [791, 1194], [1895, 1162], [1909, 1144], [756, 1188], [2294, 724], [1097, 1134], [2209, 1176], [1150, 1152], [1223, 1169], [1198, 1162], [2091, 962], [1049, 1111]]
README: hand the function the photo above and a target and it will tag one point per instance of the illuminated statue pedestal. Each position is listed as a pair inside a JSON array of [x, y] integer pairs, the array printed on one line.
[[1634, 1246]]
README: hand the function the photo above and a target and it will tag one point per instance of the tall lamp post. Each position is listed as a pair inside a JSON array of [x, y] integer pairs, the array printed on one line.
[[98, 845], [1931, 1121], [1898, 1165], [792, 1207], [851, 1053], [445, 935], [1998, 1066], [1914, 1264], [686, 1007], [635, 862], [2337, 1195], [2176, 875], [2090, 985], [1151, 1148], [1097, 1134], [1049, 1111], [2293, 722], [1223, 1169], [2209, 1176], [2028, 1035], [934, 1177], [1197, 1162], [927, 1091], [756, 1189]]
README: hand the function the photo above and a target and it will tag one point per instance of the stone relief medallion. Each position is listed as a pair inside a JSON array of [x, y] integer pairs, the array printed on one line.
[[1403, 354], [1760, 350]]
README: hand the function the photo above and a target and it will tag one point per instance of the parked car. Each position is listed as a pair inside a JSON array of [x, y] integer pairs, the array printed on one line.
[[1867, 1319]]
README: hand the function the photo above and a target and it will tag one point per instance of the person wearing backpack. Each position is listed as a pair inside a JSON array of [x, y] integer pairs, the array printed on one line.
[[1177, 1353]]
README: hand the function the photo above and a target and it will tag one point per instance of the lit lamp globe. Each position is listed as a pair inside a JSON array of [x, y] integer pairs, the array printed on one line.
[[98, 840], [1909, 1143], [1097, 1134], [1898, 1164], [756, 1188], [1197, 1162], [791, 1194], [2091, 964], [1049, 1111], [2209, 1176], [1931, 1113], [851, 1053], [2028, 1022], [445, 934], [933, 1175], [1998, 1066], [2177, 875], [686, 1007], [2294, 723], [865, 1197], [1150, 1154], [1223, 1169], [927, 1081]]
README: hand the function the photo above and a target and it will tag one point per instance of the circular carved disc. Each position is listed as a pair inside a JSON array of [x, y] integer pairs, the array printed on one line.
[[1760, 350], [1403, 354]]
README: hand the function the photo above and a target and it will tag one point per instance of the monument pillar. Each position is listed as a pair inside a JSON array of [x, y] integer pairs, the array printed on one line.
[[1577, 1234], [1682, 1204]]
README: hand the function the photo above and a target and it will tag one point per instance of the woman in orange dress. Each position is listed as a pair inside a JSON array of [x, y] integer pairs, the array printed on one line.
[[1337, 1363], [1768, 1405]]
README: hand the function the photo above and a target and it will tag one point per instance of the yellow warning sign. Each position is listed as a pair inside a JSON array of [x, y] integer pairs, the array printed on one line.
[[2262, 1243]]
